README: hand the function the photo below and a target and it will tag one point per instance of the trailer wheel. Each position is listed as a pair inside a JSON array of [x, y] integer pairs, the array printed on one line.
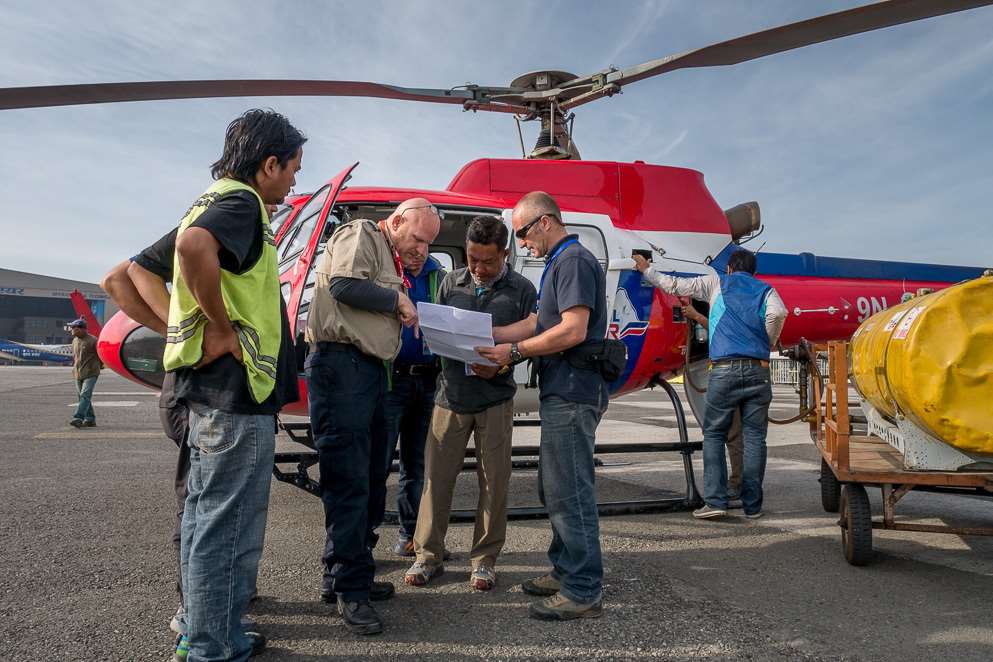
[[856, 524], [830, 488]]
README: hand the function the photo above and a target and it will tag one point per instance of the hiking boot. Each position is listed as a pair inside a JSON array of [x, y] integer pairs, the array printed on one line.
[[182, 649], [757, 514], [544, 585], [360, 617], [404, 547], [420, 574], [560, 608], [709, 512], [381, 591], [76, 422], [378, 592], [482, 578]]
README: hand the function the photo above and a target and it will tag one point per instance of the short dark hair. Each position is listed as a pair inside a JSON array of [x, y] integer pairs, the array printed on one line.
[[488, 230], [251, 139], [742, 260]]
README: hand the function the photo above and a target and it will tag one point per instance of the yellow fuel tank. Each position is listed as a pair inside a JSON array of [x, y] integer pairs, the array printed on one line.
[[930, 359]]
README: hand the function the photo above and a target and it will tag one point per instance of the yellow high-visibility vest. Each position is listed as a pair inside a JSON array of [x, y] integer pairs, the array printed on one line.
[[250, 298]]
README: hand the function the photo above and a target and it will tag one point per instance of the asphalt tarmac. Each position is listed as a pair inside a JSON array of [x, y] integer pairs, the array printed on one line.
[[88, 568]]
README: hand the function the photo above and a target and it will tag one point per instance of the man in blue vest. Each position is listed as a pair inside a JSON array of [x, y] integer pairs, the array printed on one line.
[[746, 318], [410, 402]]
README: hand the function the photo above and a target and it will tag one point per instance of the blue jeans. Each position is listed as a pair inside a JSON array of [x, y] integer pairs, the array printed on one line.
[[231, 458], [409, 405], [346, 390], [732, 386], [84, 389], [566, 487]]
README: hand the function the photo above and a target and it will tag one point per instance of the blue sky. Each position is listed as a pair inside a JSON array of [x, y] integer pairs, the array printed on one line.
[[875, 146]]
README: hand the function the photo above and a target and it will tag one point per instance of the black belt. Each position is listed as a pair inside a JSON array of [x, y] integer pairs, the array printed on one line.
[[325, 346], [743, 361], [415, 369]]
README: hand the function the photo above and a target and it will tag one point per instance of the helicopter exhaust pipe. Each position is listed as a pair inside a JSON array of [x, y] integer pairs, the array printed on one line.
[[743, 219]]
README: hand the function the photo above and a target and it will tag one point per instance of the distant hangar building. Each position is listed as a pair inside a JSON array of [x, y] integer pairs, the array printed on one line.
[[35, 308]]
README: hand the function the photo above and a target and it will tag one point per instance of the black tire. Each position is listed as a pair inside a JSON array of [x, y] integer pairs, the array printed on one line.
[[856, 524], [830, 488]]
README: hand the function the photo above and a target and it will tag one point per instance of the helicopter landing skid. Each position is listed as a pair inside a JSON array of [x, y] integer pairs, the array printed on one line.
[[301, 433]]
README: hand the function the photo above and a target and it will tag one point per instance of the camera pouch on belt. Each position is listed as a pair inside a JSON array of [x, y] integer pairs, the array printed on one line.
[[609, 357]]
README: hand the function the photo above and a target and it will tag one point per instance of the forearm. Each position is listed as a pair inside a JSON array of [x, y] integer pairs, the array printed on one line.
[[557, 339], [517, 331], [127, 297], [363, 294], [699, 287], [152, 290], [201, 271]]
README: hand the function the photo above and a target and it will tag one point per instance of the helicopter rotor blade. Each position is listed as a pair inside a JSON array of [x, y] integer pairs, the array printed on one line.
[[471, 98], [845, 23]]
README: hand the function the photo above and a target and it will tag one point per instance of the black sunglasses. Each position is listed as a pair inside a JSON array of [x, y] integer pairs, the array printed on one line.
[[523, 232]]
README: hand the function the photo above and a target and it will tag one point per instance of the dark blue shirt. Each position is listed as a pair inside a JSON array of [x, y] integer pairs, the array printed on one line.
[[412, 350], [573, 278]]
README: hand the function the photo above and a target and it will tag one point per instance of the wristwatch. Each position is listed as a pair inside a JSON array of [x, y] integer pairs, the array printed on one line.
[[515, 354]]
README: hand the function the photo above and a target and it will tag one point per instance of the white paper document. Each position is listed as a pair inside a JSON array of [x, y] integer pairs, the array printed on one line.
[[455, 333]]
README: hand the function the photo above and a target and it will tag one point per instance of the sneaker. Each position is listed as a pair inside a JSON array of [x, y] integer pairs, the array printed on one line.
[[360, 617], [482, 578], [89, 424], [182, 649], [420, 574], [404, 547], [757, 514], [734, 504], [544, 585], [560, 608], [76, 422], [708, 512], [176, 624]]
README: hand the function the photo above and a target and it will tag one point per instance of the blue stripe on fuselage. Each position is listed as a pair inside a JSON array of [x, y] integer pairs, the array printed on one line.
[[808, 264]]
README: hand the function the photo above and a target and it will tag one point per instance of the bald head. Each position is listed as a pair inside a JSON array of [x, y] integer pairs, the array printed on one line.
[[537, 223], [413, 225], [536, 203]]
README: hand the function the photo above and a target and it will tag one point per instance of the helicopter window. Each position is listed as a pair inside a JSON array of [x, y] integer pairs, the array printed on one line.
[[296, 238], [445, 258], [279, 218]]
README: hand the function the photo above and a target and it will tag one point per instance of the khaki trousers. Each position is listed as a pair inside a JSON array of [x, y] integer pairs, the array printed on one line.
[[444, 454]]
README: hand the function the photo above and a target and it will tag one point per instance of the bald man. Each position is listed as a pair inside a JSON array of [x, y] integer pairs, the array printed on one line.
[[359, 309], [571, 319]]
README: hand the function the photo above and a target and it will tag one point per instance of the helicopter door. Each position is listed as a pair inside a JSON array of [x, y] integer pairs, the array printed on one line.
[[299, 243]]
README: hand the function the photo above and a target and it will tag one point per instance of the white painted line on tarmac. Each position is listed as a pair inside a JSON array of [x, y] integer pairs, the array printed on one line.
[[109, 403], [103, 393]]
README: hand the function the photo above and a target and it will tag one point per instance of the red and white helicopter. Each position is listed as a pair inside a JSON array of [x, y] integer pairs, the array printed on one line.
[[615, 208]]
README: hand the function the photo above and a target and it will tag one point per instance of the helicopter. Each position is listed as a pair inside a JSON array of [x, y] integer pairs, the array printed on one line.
[[615, 208]]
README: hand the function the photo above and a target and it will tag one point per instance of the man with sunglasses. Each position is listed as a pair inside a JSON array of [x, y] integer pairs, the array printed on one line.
[[359, 308], [571, 311]]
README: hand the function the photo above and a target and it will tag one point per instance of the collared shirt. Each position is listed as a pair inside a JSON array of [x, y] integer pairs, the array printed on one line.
[[510, 299], [573, 278], [85, 362], [358, 249], [412, 350]]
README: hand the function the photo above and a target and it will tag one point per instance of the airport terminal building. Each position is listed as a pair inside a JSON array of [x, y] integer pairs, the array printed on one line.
[[35, 308]]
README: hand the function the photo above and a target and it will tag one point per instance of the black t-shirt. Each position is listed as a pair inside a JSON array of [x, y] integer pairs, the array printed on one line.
[[223, 384], [574, 278]]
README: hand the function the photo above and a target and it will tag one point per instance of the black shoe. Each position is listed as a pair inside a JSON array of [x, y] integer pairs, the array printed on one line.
[[89, 424], [258, 642], [360, 617], [381, 591]]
